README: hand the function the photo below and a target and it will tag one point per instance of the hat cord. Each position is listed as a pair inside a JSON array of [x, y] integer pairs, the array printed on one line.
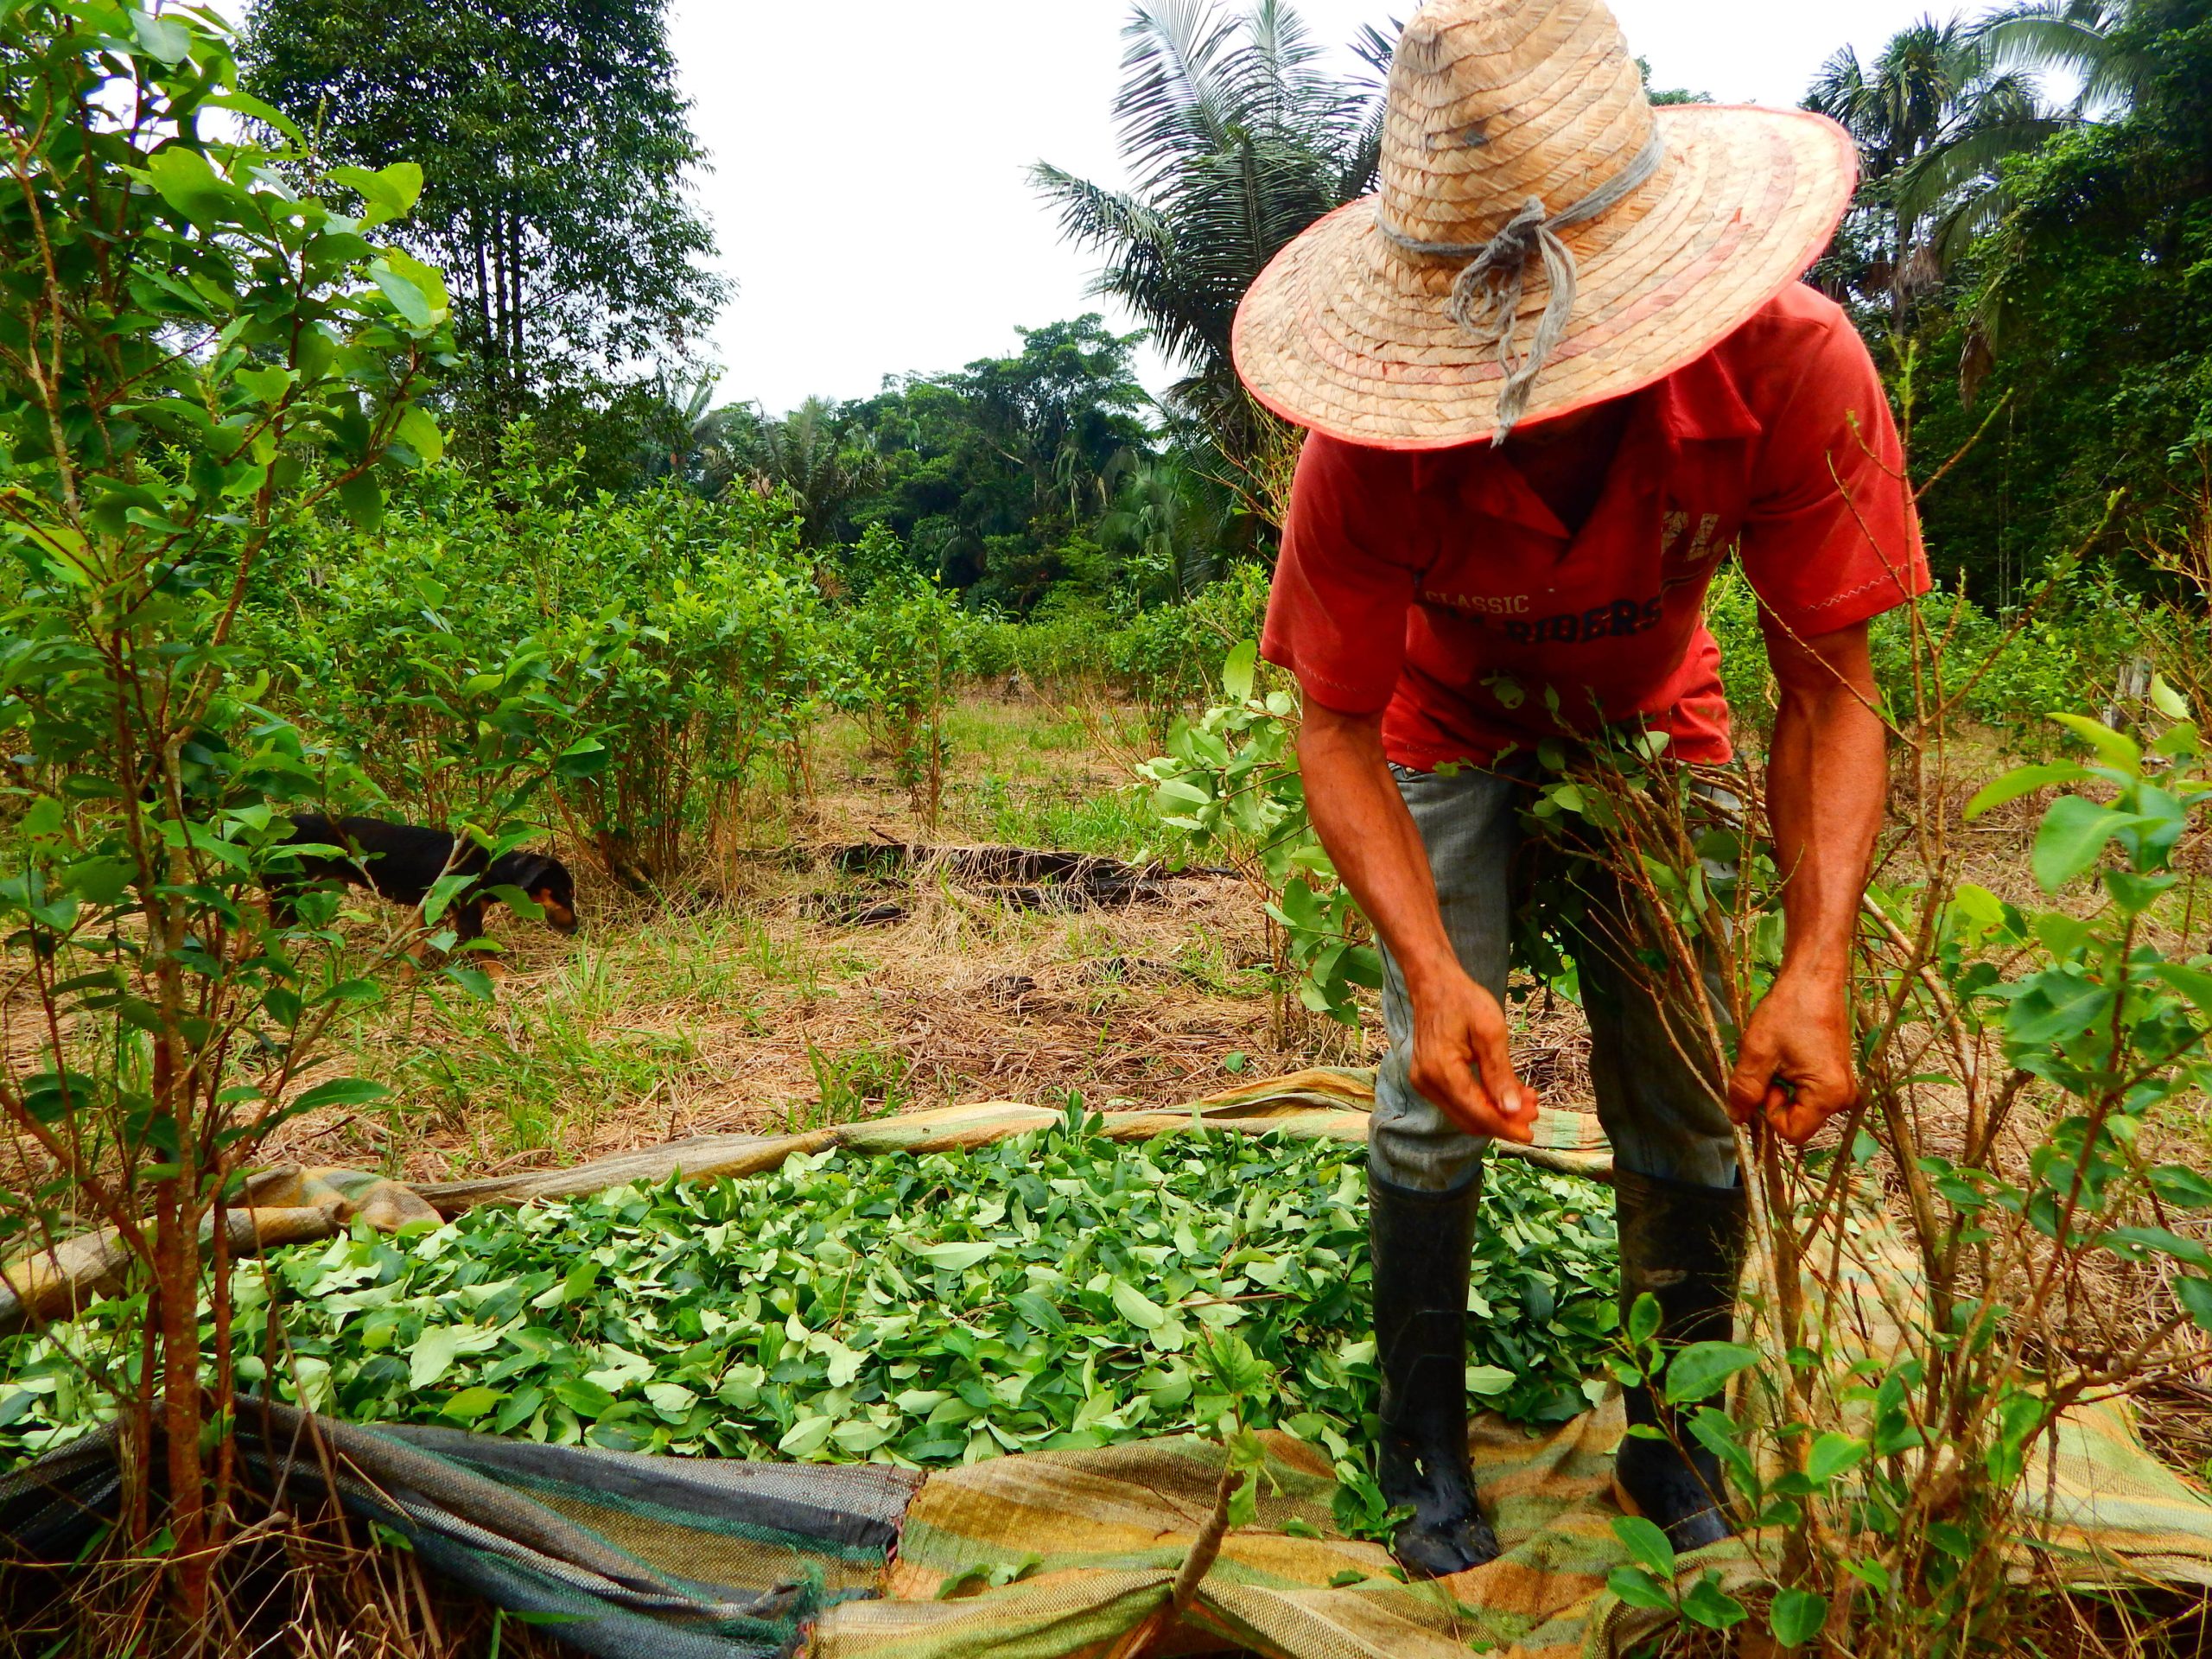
[[1486, 296]]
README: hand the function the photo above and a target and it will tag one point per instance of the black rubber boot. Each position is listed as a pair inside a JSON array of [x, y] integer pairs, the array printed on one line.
[[1684, 1245], [1423, 1246]]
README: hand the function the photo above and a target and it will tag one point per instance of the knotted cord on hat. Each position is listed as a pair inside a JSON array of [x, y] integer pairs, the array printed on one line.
[[1486, 296]]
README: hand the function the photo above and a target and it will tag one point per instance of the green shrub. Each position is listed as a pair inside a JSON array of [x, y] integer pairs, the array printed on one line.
[[201, 337], [2063, 659], [1732, 612], [708, 656], [651, 656], [898, 647], [1165, 657]]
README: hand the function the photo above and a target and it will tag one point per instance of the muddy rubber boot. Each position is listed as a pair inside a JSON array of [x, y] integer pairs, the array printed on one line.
[[1423, 1245], [1685, 1245]]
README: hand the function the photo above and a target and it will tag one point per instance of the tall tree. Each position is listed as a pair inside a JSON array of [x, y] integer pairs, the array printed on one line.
[[1933, 114], [557, 149], [988, 472], [1238, 138], [2088, 306]]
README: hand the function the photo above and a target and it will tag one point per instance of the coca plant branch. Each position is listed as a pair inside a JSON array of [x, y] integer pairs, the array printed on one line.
[[201, 339]]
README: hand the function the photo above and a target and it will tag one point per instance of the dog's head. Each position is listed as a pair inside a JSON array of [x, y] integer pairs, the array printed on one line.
[[546, 880]]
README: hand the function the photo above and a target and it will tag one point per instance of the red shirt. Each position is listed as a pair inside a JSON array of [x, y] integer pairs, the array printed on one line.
[[1436, 585]]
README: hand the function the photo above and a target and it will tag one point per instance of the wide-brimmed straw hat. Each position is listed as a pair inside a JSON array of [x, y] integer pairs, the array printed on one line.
[[1543, 239]]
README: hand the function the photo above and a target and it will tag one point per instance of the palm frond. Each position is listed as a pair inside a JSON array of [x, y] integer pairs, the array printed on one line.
[[1275, 65], [1839, 88], [1967, 217], [1375, 47], [1174, 102], [2074, 36], [1968, 160], [1364, 160], [2011, 97], [1095, 217], [2041, 36]]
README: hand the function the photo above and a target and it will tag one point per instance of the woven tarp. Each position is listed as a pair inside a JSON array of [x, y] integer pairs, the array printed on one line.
[[1106, 1530], [686, 1558], [677, 1558], [1097, 1537], [1054, 1555]]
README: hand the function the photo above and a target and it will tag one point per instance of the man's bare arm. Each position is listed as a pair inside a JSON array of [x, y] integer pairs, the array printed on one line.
[[1461, 1060], [1827, 776]]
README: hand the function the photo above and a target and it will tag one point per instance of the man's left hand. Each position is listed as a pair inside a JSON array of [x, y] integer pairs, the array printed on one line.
[[1794, 1065]]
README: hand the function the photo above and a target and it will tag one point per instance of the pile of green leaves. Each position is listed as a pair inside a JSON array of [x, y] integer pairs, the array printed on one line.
[[1045, 1291]]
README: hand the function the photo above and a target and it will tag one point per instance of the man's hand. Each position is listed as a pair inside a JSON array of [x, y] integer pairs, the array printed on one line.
[[1462, 1061], [1794, 1065]]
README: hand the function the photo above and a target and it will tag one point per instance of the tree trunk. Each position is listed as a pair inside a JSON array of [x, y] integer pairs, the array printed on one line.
[[478, 236], [176, 1283]]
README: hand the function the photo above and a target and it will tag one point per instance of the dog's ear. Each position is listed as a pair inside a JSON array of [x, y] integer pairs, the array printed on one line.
[[546, 881], [524, 870]]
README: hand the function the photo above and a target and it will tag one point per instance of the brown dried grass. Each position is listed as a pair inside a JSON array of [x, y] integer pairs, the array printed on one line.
[[305, 1585]]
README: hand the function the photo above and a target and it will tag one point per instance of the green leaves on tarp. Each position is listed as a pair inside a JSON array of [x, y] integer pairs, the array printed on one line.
[[1056, 1290]]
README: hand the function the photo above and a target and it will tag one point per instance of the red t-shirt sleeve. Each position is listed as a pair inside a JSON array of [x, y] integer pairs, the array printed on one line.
[[1832, 537], [1346, 577]]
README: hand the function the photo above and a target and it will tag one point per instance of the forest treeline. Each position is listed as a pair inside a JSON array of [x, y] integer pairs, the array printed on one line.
[[2025, 256]]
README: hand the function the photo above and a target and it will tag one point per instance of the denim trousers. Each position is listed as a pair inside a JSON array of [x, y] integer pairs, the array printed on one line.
[[1664, 1116]]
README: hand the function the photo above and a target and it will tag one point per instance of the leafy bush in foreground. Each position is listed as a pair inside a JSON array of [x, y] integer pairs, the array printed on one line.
[[198, 347], [1045, 1291]]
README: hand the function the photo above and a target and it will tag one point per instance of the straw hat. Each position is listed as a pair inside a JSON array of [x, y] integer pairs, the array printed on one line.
[[1528, 181]]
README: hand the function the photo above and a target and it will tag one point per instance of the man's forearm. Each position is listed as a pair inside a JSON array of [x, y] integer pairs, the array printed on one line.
[[1827, 778], [1462, 1058], [1370, 837]]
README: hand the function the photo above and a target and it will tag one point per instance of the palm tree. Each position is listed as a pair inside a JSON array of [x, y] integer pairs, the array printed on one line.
[[1238, 139], [681, 437], [1162, 523], [724, 442], [1937, 113], [2079, 38], [810, 455], [1933, 115]]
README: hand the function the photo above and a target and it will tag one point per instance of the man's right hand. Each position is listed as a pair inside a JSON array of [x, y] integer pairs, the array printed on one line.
[[1462, 1058]]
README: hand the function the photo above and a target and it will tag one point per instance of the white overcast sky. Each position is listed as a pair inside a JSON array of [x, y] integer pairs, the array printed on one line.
[[869, 189]]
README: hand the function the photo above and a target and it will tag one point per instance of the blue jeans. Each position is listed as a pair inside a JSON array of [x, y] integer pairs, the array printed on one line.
[[1662, 1114]]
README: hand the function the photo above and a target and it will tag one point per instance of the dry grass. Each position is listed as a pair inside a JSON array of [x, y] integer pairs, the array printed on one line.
[[746, 1005], [304, 1580]]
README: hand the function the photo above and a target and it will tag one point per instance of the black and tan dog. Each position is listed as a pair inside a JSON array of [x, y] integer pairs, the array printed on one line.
[[401, 862]]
